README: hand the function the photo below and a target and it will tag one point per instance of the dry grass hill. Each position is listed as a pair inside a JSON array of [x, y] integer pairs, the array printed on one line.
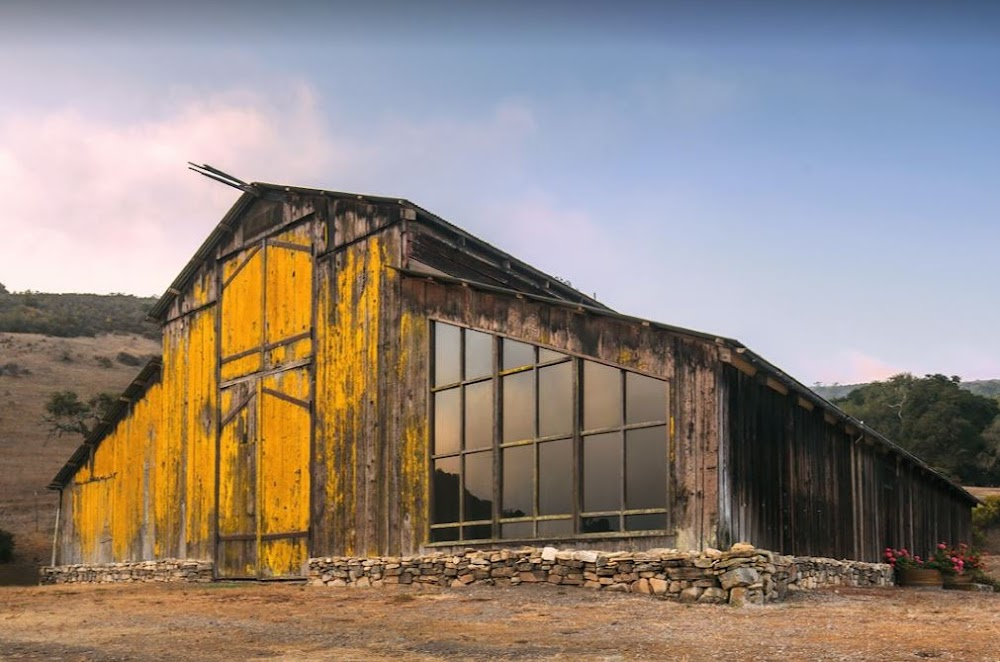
[[32, 366]]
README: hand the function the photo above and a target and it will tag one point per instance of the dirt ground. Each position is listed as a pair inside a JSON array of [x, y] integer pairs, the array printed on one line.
[[299, 622]]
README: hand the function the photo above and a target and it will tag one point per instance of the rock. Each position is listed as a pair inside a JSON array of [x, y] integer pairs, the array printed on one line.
[[739, 577], [658, 586], [642, 586], [585, 556], [742, 548], [691, 594], [713, 596], [738, 596]]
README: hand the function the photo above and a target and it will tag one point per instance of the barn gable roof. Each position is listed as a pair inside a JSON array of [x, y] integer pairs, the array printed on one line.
[[462, 239]]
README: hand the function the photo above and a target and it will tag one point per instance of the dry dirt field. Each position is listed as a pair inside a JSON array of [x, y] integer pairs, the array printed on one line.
[[299, 622]]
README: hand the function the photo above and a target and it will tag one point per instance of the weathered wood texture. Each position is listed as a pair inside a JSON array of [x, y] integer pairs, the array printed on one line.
[[292, 416], [359, 505], [800, 484], [688, 364], [107, 507]]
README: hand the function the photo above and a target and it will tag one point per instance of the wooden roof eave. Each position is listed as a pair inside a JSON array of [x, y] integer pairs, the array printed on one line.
[[133, 392]]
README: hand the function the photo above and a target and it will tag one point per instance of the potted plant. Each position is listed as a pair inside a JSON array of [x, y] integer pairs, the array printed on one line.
[[912, 570], [958, 565]]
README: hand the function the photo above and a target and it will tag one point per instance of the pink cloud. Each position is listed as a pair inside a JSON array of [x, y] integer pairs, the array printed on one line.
[[850, 366], [98, 205]]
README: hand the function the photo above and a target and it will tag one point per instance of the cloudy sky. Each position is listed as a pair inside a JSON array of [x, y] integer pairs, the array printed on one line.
[[824, 186]]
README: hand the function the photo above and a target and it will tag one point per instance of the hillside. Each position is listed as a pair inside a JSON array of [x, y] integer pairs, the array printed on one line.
[[74, 315], [989, 388], [32, 366]]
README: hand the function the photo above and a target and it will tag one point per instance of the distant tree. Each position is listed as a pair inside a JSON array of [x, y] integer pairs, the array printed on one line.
[[3, 289], [933, 417], [67, 413]]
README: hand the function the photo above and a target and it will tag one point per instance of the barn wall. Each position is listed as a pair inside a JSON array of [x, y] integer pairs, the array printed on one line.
[[362, 497], [185, 506], [688, 364], [106, 503], [797, 482]]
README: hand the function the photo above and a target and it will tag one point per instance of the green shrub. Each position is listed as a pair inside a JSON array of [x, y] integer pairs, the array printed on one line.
[[6, 546], [128, 359], [984, 517]]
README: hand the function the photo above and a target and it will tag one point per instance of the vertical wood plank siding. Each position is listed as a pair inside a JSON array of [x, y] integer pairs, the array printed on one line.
[[105, 503], [688, 364], [798, 484], [291, 415]]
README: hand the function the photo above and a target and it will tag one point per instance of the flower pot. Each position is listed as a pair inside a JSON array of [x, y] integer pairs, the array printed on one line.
[[919, 577], [960, 581]]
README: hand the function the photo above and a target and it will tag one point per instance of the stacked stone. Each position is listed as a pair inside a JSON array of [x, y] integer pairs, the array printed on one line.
[[741, 575], [166, 570], [811, 572]]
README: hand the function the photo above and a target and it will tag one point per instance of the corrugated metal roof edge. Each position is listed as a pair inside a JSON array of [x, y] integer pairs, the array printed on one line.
[[224, 227], [135, 390], [734, 345]]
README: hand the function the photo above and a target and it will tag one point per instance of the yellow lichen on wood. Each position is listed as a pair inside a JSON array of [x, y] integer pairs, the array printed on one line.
[[242, 310], [285, 424], [347, 397], [288, 303], [199, 426], [108, 495]]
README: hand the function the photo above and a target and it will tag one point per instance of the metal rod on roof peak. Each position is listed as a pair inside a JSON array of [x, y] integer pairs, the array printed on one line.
[[222, 177]]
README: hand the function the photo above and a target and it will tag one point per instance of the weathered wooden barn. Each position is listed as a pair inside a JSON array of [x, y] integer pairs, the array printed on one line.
[[352, 375]]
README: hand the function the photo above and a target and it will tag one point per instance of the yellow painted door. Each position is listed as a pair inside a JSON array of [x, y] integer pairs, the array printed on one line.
[[238, 461], [266, 409]]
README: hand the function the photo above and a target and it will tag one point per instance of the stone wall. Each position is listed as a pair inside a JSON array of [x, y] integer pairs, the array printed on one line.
[[742, 575], [167, 570]]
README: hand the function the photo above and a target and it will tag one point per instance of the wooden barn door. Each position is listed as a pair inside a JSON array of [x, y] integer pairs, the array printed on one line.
[[265, 399]]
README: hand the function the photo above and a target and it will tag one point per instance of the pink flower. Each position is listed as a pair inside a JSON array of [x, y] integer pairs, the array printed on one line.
[[941, 545]]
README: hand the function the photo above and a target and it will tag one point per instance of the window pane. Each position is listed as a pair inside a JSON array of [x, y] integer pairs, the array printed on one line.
[[555, 477], [478, 354], [517, 530], [646, 522], [645, 399], [518, 491], [555, 400], [599, 524], [444, 535], [548, 355], [478, 486], [519, 406], [517, 354], [445, 490], [447, 421], [479, 415], [447, 354], [477, 532], [555, 527], [602, 396], [602, 462], [646, 468]]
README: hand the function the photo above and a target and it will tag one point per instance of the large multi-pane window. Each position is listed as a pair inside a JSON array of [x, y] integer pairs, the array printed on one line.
[[533, 443]]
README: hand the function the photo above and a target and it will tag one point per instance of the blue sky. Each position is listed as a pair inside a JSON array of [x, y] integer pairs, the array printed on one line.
[[819, 184]]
